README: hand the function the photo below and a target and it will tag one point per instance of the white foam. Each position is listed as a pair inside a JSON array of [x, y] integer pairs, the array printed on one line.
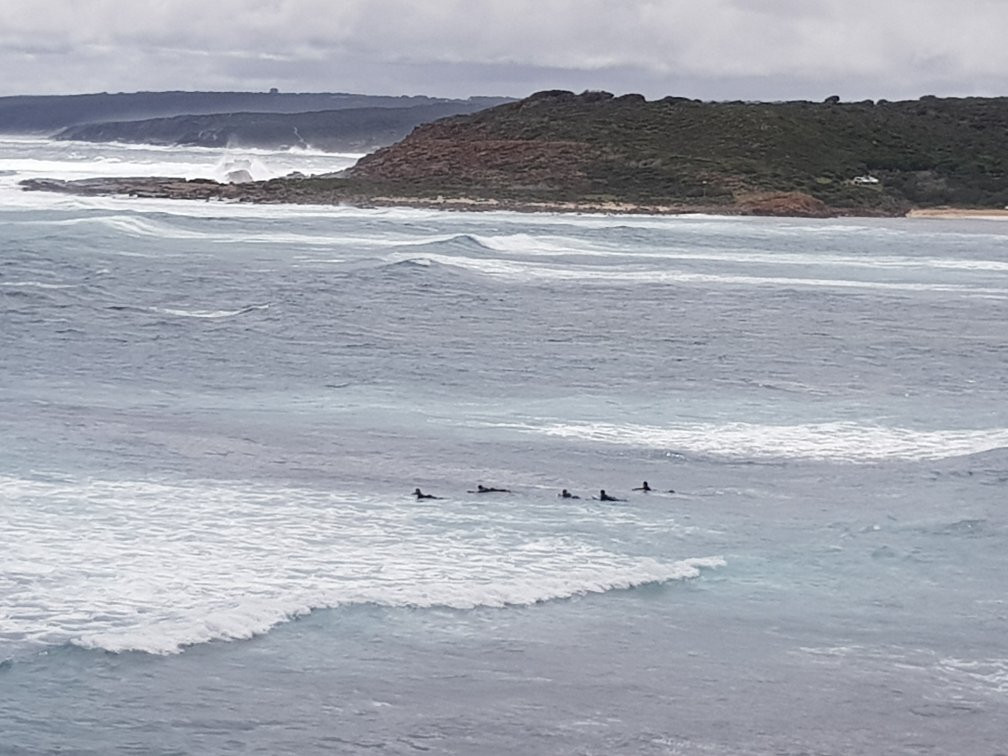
[[122, 565], [22, 158], [211, 314], [35, 285], [526, 271], [962, 677], [133, 225], [142, 226], [68, 160], [839, 441], [526, 245], [988, 673]]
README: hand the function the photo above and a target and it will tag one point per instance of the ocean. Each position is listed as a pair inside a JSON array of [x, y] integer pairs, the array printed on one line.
[[212, 417]]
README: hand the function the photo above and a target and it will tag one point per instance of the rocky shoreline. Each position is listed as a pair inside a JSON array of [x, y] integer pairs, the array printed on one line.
[[307, 191]]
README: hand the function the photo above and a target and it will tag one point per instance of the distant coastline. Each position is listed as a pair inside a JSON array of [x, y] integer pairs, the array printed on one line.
[[333, 122]]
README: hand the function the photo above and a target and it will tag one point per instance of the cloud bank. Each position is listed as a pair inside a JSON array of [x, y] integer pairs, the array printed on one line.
[[718, 49]]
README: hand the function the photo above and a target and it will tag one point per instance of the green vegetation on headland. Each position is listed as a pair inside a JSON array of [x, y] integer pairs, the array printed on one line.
[[557, 146], [558, 150]]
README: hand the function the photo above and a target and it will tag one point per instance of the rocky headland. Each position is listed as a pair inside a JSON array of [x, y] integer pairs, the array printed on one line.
[[595, 152]]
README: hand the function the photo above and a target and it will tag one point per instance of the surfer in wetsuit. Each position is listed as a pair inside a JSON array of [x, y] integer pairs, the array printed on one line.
[[603, 496], [647, 489], [565, 494], [484, 489], [421, 495]]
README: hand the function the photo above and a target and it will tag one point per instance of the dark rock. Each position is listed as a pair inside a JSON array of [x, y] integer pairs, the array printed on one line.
[[595, 96], [787, 204], [554, 95]]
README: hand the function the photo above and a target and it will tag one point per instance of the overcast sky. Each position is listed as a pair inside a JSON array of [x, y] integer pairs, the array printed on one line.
[[709, 49]]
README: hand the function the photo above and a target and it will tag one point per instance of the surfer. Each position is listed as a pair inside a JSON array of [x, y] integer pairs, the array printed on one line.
[[421, 495], [565, 494], [489, 489], [644, 487], [603, 496]]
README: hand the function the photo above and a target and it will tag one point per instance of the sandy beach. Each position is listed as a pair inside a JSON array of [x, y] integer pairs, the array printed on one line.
[[956, 212]]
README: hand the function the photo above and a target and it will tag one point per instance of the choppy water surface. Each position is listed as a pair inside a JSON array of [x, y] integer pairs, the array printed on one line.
[[212, 416]]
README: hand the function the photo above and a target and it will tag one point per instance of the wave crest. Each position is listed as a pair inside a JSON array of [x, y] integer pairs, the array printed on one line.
[[248, 620], [128, 565], [838, 441], [210, 314]]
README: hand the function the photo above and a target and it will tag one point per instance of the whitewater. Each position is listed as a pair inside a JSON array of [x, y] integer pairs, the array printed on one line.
[[213, 416]]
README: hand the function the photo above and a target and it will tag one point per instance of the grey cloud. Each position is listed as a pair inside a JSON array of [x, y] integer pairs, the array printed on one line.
[[753, 49]]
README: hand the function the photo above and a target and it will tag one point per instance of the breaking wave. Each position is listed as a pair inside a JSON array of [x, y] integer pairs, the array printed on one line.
[[211, 314], [839, 441], [126, 565]]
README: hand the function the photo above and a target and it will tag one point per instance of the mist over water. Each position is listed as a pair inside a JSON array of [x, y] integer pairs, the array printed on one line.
[[213, 416]]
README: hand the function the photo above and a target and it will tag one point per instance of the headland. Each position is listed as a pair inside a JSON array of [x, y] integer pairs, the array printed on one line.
[[594, 152]]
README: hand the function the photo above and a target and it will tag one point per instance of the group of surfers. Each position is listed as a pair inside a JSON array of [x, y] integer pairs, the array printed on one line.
[[564, 494]]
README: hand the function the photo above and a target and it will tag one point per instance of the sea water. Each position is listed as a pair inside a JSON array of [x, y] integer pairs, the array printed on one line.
[[212, 417]]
